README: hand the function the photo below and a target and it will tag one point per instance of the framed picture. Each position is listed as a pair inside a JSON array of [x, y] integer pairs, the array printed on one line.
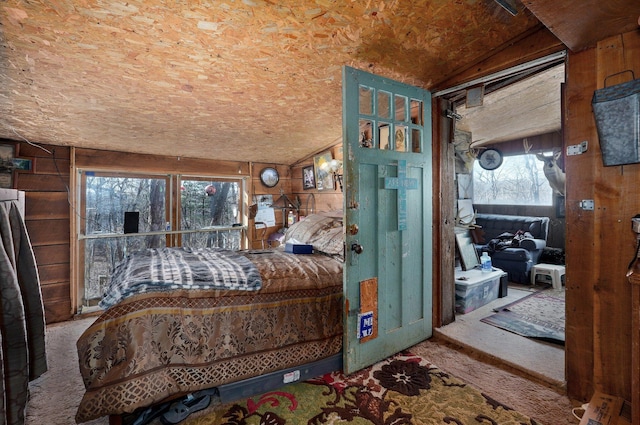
[[308, 178], [324, 179], [466, 249], [7, 153], [22, 164]]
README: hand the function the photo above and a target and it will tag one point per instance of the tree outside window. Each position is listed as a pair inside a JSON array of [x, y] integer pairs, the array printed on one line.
[[207, 209], [519, 180]]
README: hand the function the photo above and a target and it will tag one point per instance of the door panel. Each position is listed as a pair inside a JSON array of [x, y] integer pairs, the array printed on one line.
[[388, 197]]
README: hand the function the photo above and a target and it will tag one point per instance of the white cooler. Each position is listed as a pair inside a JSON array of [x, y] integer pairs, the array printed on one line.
[[475, 288]]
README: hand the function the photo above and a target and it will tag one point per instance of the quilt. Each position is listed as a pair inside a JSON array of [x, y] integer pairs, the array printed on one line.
[[165, 269]]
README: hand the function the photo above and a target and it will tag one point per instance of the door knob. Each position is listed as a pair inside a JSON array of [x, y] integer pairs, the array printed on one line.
[[357, 248]]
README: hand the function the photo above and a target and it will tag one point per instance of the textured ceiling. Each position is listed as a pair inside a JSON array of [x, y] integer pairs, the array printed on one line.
[[252, 80]]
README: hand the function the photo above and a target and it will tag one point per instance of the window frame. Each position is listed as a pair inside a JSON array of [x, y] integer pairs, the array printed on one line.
[[506, 158], [172, 214]]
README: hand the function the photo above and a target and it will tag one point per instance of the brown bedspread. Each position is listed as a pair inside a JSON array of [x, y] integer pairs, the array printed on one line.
[[156, 346]]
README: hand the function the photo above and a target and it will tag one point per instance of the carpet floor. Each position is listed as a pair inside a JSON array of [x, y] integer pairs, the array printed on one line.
[[403, 389], [540, 315], [54, 397]]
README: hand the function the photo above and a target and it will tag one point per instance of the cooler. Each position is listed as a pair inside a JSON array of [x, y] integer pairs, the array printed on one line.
[[475, 288]]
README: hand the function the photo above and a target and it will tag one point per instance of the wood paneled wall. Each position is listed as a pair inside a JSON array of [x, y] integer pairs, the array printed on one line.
[[309, 200], [47, 213], [257, 189], [600, 243], [325, 200]]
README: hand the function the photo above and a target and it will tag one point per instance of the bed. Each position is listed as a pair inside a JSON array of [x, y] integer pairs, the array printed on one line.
[[154, 345]]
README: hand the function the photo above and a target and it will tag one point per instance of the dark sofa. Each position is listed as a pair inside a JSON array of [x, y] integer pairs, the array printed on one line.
[[521, 255]]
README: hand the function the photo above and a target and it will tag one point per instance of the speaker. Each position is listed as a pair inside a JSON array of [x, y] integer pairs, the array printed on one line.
[[131, 219]]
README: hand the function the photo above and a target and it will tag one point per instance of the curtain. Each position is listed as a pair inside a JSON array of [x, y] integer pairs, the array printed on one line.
[[22, 323]]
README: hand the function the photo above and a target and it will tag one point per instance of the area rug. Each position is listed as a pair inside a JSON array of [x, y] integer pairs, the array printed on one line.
[[540, 315], [404, 389]]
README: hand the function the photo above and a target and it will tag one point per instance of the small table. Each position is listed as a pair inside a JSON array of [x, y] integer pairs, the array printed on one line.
[[552, 270]]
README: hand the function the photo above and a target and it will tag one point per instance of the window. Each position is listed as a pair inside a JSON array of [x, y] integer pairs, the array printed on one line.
[[210, 205], [398, 120], [121, 213], [520, 180]]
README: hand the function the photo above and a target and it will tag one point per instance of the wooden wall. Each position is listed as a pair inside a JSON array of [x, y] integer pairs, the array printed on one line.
[[257, 189], [600, 243], [291, 184], [325, 200], [47, 215]]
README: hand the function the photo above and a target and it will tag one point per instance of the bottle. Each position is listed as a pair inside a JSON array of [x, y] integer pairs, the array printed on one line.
[[485, 261], [291, 218]]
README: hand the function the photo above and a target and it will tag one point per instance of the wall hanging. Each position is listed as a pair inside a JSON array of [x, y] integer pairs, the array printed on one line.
[[308, 178], [617, 114]]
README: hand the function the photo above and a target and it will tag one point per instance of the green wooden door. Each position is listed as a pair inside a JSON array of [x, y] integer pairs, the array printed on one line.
[[388, 217]]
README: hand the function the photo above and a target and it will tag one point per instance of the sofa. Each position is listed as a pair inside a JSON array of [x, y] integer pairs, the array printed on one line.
[[514, 243]]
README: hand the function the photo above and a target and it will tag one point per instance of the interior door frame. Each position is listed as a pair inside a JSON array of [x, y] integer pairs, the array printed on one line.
[[444, 181]]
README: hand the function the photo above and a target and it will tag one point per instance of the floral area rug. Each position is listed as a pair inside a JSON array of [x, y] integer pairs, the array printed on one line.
[[404, 389], [540, 315]]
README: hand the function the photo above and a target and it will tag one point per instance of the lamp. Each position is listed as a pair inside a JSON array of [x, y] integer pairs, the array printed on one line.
[[335, 167], [284, 203]]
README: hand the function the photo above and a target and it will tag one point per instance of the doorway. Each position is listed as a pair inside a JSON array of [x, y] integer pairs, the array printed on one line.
[[515, 114]]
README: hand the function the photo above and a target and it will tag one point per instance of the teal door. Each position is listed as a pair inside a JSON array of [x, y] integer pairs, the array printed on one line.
[[388, 217]]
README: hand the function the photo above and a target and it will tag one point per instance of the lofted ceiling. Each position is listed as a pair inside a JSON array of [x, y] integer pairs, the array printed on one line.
[[251, 80]]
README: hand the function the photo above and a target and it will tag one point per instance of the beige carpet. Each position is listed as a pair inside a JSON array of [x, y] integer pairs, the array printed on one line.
[[56, 395]]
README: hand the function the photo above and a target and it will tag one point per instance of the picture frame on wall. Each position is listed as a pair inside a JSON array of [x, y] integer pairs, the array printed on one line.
[[324, 179], [7, 154], [308, 178]]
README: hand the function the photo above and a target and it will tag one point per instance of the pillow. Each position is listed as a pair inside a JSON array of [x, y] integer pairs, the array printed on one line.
[[535, 228], [330, 241], [324, 233]]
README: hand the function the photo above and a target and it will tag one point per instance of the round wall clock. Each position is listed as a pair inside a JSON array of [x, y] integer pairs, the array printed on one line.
[[269, 176], [490, 159]]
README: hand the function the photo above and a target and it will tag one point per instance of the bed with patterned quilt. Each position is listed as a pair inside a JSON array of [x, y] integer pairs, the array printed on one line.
[[180, 320]]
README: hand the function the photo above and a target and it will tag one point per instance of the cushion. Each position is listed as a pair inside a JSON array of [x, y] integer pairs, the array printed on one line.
[[535, 228], [324, 233]]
